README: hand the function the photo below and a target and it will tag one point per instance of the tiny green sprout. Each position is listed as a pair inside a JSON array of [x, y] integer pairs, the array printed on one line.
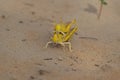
[[102, 2]]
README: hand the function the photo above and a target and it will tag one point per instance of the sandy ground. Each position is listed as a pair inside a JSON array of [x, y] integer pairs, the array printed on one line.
[[25, 27]]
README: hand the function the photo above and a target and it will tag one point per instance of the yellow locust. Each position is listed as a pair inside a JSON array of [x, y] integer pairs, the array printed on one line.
[[62, 34]]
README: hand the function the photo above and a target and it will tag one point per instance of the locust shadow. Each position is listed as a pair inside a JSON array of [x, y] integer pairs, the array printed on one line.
[[91, 9]]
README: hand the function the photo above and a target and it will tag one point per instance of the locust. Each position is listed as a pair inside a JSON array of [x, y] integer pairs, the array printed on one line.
[[62, 34]]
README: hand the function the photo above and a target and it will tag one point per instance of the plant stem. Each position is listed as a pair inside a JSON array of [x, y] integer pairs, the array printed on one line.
[[100, 11]]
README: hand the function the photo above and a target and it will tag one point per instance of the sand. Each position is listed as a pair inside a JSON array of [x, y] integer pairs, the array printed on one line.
[[25, 27]]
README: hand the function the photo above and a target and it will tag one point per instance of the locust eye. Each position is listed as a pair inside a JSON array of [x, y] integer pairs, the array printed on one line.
[[60, 33], [57, 32]]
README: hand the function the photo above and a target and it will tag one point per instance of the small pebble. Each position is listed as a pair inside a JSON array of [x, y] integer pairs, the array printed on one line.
[[23, 40], [20, 21], [48, 59], [3, 16], [32, 77], [42, 72], [33, 13], [97, 65], [60, 59], [7, 29]]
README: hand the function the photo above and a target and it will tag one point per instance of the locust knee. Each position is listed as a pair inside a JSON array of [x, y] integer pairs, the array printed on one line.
[[69, 46]]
